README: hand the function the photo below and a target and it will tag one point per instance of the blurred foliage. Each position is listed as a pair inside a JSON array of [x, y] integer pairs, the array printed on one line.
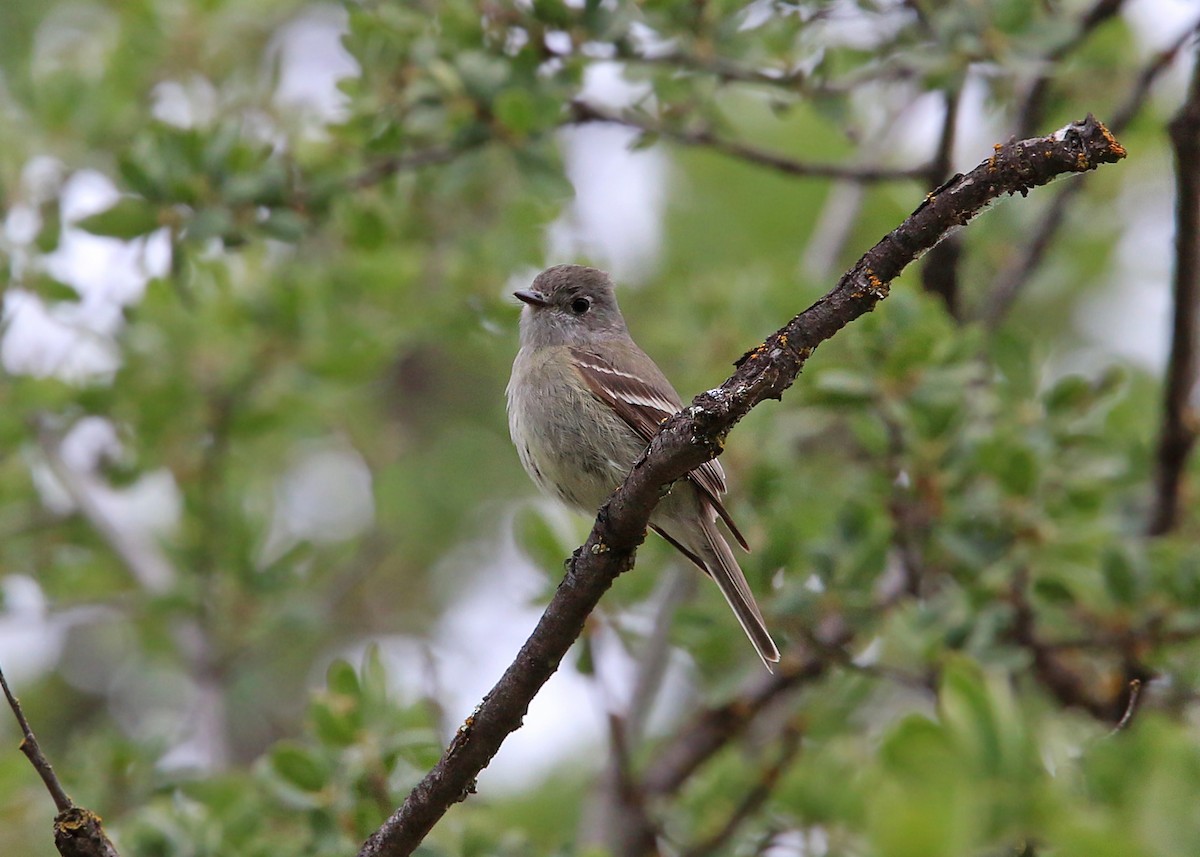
[[313, 362]]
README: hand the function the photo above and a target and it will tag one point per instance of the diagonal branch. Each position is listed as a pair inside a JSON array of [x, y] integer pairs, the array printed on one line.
[[77, 831], [755, 797], [695, 435], [583, 113], [939, 275], [1180, 420], [1013, 277], [1033, 108], [713, 728], [33, 752]]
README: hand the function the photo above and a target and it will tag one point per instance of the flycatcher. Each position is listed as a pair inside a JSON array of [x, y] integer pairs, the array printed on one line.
[[583, 402]]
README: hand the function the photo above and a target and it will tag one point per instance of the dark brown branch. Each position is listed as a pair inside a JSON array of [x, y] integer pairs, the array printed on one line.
[[1049, 668], [633, 833], [583, 113], [696, 434], [77, 831], [909, 513], [939, 274], [1180, 421], [1055, 672], [695, 742], [387, 167], [33, 752], [753, 800], [1033, 108], [1013, 278], [720, 68]]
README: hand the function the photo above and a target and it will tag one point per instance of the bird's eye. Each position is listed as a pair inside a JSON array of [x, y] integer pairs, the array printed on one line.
[[580, 305]]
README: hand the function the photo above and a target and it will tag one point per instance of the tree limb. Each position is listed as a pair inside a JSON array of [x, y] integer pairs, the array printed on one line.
[[1012, 278], [583, 113], [754, 798], [1180, 420], [1033, 108], [695, 434], [710, 730], [77, 831], [939, 274]]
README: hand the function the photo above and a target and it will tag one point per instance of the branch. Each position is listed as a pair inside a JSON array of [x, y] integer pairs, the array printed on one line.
[[390, 166], [1180, 420], [1034, 106], [1131, 707], [695, 434], [724, 70], [698, 740], [77, 831], [939, 274], [1055, 673], [1013, 278], [607, 820], [753, 800], [583, 113]]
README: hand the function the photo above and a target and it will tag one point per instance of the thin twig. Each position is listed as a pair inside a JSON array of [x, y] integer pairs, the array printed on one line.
[[696, 741], [754, 799], [390, 166], [939, 272], [695, 435], [1033, 108], [633, 834], [77, 831], [1051, 669], [722, 69], [583, 113], [33, 752], [1013, 278], [1135, 695], [1180, 421]]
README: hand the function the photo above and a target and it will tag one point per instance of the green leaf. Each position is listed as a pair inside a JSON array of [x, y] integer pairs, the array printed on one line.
[[284, 224], [130, 217], [51, 230], [298, 766], [52, 290], [1053, 590], [1119, 577], [341, 678], [208, 224], [514, 108]]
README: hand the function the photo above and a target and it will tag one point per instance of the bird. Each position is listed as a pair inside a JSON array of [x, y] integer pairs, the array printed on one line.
[[584, 401]]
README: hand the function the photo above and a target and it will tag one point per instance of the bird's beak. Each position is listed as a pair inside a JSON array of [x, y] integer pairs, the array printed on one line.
[[531, 297]]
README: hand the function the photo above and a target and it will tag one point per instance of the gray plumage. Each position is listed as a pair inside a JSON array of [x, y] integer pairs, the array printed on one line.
[[583, 402]]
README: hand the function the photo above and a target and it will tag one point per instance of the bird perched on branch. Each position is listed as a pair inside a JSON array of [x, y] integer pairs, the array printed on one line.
[[583, 402]]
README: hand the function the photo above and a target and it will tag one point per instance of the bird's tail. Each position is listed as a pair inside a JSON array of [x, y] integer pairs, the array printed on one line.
[[721, 565]]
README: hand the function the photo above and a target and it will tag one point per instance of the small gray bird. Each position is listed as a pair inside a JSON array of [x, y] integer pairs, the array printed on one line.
[[583, 402]]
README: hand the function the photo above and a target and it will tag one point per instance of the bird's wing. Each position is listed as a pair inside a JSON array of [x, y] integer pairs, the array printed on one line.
[[644, 403]]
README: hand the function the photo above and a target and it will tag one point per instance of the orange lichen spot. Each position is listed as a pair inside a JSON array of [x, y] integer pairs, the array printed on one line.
[[997, 147], [1081, 162], [1113, 146]]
